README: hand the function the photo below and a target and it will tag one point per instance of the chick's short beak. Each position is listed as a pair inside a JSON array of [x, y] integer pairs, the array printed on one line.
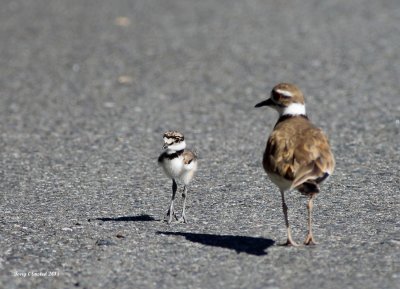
[[165, 146], [267, 102]]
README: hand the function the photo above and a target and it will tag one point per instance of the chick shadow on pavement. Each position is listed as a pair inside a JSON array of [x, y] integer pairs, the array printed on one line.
[[138, 218], [241, 244]]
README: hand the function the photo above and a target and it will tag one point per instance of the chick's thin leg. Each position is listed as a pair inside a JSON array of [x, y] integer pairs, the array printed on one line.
[[171, 211], [182, 219]]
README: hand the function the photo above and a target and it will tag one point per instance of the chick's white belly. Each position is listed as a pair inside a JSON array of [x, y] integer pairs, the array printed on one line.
[[173, 168]]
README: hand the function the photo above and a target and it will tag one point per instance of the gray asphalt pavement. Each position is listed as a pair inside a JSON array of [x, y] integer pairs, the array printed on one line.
[[87, 89]]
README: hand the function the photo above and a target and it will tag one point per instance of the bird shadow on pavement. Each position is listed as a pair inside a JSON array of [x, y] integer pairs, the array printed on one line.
[[241, 244], [138, 218]]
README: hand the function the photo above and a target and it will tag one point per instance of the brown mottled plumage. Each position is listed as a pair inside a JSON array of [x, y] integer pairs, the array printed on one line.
[[188, 157], [298, 155], [174, 135], [303, 155]]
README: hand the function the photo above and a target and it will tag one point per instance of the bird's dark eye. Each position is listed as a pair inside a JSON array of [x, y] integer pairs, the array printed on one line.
[[275, 96]]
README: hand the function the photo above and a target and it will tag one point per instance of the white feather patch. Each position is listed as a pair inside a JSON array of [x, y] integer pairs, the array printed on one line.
[[281, 182], [176, 147], [173, 168], [188, 172], [295, 109]]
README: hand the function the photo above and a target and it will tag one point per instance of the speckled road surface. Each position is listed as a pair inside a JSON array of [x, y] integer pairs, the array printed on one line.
[[88, 87]]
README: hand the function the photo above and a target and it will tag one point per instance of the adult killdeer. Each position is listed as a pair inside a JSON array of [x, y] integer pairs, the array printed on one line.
[[298, 155], [180, 165]]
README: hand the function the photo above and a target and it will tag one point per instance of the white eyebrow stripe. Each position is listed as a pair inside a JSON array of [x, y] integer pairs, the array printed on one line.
[[284, 92], [168, 140]]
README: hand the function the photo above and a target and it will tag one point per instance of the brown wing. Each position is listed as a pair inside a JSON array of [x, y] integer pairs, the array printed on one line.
[[278, 156], [188, 157], [298, 151], [314, 156]]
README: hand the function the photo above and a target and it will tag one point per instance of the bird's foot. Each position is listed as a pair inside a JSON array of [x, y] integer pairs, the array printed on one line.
[[168, 217], [182, 220], [310, 240]]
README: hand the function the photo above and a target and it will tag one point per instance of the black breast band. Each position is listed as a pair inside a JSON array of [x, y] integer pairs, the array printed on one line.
[[287, 116], [164, 156]]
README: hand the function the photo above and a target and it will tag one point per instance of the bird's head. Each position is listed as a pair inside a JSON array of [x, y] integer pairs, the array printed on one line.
[[174, 141], [287, 99]]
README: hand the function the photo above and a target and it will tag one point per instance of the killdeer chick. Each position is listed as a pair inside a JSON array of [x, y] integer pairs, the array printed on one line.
[[298, 155], [180, 165]]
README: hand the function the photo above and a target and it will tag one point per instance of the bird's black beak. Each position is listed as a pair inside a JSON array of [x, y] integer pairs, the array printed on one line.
[[165, 146], [267, 102]]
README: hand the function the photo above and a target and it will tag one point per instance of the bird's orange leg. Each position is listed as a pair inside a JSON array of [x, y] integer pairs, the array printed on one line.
[[310, 237], [289, 241]]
